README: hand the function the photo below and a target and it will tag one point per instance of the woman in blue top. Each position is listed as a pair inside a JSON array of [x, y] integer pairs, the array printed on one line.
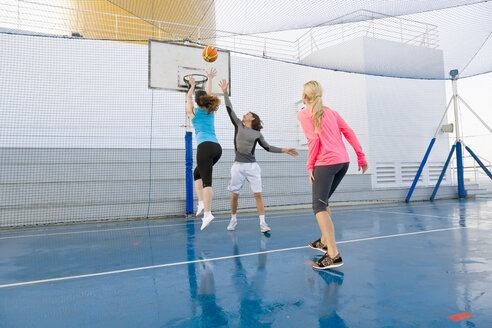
[[208, 150]]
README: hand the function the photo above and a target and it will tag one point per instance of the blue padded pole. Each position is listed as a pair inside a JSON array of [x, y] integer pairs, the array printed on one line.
[[479, 162], [189, 172], [459, 153], [443, 172], [419, 172], [459, 167]]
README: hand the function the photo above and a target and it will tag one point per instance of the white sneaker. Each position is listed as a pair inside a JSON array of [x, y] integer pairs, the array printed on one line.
[[232, 225], [206, 221], [199, 208], [264, 227]]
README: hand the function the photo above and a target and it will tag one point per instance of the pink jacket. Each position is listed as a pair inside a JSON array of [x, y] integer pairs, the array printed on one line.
[[326, 147]]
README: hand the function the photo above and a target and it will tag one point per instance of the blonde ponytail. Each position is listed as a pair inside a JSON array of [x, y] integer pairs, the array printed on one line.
[[314, 94]]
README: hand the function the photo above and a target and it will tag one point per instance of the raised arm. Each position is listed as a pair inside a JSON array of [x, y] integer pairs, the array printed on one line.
[[232, 115], [210, 74], [190, 105]]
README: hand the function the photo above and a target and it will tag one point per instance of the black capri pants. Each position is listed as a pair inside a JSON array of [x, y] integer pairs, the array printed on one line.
[[326, 180], [207, 154]]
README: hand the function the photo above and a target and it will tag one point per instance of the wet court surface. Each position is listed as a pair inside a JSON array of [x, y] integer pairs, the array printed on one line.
[[405, 265]]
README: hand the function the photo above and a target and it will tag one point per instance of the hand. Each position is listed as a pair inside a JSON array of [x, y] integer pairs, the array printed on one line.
[[364, 168], [290, 151], [223, 85], [311, 177], [211, 74], [192, 81]]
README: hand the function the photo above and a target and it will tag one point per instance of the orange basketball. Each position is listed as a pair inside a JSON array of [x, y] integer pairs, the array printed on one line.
[[210, 54]]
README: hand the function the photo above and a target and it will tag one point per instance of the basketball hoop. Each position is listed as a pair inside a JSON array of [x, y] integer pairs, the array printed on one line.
[[200, 80]]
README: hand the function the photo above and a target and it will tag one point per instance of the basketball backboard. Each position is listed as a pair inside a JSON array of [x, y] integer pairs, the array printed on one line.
[[170, 62]]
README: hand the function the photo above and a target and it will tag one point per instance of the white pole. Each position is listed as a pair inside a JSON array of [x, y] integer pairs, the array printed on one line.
[[444, 115], [456, 118], [187, 120], [475, 170], [298, 51], [401, 31], [312, 41], [18, 15], [488, 127]]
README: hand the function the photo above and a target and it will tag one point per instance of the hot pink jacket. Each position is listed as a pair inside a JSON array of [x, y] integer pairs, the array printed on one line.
[[326, 147]]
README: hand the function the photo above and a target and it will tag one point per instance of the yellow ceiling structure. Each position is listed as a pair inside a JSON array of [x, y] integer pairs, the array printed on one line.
[[143, 19]]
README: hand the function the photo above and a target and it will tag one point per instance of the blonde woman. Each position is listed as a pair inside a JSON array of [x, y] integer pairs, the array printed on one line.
[[328, 161]]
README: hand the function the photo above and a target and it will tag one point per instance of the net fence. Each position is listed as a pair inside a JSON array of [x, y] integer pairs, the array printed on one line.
[[459, 30], [83, 138]]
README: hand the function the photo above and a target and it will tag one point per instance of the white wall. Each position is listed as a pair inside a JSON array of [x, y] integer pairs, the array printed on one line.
[[404, 114], [67, 93], [273, 89], [401, 115], [347, 56], [94, 94], [373, 56]]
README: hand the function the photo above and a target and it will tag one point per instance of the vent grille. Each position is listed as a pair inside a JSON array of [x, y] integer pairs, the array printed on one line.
[[408, 171], [385, 173], [435, 172]]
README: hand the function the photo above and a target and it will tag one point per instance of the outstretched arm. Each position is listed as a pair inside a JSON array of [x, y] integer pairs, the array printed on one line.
[[210, 74], [232, 115], [290, 151], [267, 147], [190, 106], [273, 149]]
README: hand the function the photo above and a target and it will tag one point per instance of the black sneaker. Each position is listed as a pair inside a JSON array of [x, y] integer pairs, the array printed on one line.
[[327, 262], [318, 245]]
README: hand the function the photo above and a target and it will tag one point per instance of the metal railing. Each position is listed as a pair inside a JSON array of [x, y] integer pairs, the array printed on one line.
[[395, 29], [471, 171], [58, 20]]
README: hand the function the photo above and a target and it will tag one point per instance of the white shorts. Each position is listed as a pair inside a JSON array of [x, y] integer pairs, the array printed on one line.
[[241, 172]]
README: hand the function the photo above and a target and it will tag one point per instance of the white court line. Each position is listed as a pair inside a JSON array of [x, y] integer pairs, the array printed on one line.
[[99, 230], [274, 216], [120, 229], [216, 258]]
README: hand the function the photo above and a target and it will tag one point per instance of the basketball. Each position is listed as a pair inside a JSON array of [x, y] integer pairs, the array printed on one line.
[[209, 54]]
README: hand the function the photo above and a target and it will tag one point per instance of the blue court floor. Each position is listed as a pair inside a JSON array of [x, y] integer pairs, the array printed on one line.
[[406, 265]]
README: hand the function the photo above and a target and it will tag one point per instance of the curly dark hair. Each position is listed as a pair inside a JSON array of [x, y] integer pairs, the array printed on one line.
[[204, 101], [257, 124]]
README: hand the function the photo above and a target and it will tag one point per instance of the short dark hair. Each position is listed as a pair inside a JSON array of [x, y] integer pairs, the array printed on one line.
[[257, 124]]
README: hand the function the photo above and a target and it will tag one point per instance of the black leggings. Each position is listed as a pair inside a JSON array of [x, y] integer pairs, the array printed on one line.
[[207, 154], [326, 180]]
